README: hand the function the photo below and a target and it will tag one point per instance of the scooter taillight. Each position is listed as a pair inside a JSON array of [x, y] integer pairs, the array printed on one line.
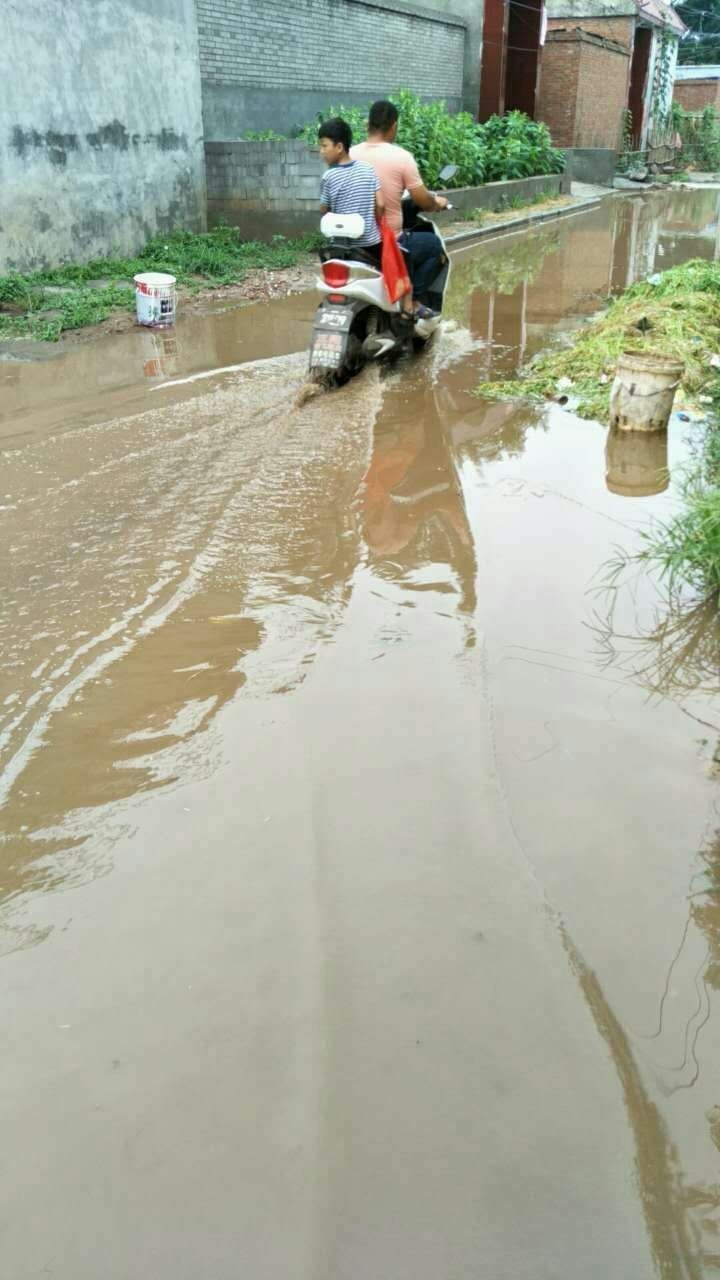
[[335, 274]]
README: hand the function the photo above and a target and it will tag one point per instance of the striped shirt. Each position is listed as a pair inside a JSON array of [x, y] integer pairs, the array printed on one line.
[[350, 188]]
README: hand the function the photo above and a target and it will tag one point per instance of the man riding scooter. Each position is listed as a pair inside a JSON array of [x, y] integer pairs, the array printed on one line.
[[397, 170]]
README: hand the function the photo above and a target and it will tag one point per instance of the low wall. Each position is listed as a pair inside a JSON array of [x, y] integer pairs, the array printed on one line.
[[264, 188], [591, 164], [273, 188], [496, 195]]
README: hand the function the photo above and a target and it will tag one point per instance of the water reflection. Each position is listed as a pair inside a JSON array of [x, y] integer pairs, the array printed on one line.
[[414, 519], [637, 463], [522, 293], [666, 1201]]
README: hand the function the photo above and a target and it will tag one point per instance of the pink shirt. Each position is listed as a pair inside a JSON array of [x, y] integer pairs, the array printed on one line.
[[397, 171]]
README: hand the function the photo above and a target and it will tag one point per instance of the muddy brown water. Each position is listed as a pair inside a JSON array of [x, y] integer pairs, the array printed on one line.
[[354, 858]]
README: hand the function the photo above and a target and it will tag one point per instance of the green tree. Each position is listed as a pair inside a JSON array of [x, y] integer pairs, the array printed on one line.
[[702, 45]]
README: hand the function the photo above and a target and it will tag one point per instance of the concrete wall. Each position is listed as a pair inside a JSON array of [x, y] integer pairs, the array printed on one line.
[[273, 188], [275, 65], [100, 127], [591, 164], [264, 188]]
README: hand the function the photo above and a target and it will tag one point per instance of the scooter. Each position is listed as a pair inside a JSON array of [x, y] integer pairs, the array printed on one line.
[[355, 321]]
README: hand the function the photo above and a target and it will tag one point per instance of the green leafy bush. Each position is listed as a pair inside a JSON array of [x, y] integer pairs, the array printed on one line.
[[700, 136], [517, 147], [511, 146]]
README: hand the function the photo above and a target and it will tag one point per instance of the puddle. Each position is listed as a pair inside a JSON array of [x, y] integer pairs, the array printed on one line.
[[356, 856]]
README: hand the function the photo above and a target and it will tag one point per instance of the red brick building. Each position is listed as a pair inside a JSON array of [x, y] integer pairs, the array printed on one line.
[[697, 87], [602, 58]]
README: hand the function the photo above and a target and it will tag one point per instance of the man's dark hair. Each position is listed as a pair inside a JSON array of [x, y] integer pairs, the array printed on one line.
[[337, 130], [383, 115]]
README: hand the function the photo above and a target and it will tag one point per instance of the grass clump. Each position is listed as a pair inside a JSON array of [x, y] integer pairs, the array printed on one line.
[[686, 549], [677, 316], [44, 304]]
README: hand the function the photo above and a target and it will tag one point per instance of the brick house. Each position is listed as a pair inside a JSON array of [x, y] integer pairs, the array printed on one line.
[[697, 87], [602, 58]]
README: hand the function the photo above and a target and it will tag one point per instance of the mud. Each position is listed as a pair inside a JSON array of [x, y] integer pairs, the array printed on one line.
[[359, 867]]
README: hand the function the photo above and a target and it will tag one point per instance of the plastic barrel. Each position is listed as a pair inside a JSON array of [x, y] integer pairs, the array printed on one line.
[[643, 391], [155, 298]]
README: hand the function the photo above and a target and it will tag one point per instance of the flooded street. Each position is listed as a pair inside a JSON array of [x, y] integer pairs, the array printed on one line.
[[354, 843]]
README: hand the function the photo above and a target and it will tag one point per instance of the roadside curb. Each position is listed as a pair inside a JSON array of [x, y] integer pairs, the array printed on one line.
[[514, 224]]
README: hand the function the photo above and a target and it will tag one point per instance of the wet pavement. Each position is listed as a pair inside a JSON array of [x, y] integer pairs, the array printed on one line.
[[356, 845]]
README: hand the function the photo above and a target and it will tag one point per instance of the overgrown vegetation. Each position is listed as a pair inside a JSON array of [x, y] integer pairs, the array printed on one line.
[[44, 304], [678, 315], [511, 146], [686, 549], [700, 135]]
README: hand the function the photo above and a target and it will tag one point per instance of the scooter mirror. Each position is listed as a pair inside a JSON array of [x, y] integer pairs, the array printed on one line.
[[448, 172]]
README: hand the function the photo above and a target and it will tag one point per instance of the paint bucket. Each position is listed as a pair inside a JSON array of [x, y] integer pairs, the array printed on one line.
[[643, 391], [637, 463], [155, 298]]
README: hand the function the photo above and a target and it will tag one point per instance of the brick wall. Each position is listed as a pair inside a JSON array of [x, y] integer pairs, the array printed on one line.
[[695, 95], [273, 64], [583, 89]]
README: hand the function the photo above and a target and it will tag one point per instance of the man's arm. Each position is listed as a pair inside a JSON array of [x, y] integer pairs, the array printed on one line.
[[379, 204], [425, 199]]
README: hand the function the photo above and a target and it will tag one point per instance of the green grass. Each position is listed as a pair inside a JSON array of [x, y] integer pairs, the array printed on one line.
[[508, 204], [197, 261], [686, 549], [679, 316]]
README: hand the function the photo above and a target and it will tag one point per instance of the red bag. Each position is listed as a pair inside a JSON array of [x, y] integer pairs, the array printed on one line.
[[394, 267]]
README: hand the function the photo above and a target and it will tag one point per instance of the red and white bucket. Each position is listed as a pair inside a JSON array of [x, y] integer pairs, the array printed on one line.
[[155, 298]]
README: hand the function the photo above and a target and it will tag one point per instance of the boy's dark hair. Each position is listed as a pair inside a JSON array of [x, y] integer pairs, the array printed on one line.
[[337, 130], [383, 115]]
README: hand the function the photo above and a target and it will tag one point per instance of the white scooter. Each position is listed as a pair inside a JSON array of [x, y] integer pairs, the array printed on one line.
[[355, 322]]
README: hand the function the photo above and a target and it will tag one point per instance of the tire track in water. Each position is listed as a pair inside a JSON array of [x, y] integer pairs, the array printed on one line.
[[252, 518]]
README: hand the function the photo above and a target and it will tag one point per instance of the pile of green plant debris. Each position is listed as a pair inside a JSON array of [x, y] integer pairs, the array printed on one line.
[[677, 315], [45, 303]]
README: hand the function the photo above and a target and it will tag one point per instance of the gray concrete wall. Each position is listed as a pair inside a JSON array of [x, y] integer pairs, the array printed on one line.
[[273, 188], [591, 164], [100, 127], [264, 188], [275, 65]]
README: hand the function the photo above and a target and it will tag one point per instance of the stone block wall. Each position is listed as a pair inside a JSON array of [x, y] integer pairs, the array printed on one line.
[[263, 187], [273, 188], [274, 65]]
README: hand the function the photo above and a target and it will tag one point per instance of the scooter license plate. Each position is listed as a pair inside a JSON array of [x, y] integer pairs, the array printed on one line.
[[326, 351], [334, 318]]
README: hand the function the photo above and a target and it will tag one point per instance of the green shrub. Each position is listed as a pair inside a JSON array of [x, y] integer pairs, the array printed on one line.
[[517, 147], [511, 146], [700, 136]]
